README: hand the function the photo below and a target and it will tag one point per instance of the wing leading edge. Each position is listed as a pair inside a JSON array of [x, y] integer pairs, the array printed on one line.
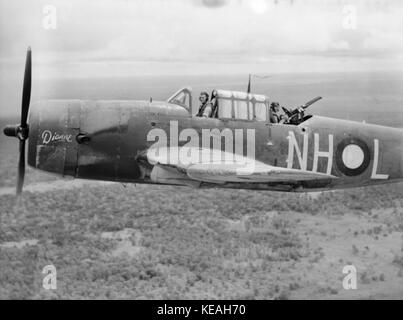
[[215, 166]]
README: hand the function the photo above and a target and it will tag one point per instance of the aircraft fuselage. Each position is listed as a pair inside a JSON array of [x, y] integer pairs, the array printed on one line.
[[108, 140]]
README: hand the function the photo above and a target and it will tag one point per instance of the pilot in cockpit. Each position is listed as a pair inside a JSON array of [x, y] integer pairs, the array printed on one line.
[[206, 107]]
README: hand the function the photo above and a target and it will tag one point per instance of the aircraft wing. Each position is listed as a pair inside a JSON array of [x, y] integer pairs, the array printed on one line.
[[215, 166]]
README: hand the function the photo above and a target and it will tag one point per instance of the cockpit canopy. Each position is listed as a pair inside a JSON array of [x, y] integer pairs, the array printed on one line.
[[229, 104], [182, 97], [237, 105], [242, 105]]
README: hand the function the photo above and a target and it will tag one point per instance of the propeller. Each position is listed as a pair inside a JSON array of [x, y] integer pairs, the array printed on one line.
[[21, 130]]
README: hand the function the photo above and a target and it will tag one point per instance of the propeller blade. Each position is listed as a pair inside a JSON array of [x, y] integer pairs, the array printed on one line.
[[21, 168], [21, 131], [26, 91]]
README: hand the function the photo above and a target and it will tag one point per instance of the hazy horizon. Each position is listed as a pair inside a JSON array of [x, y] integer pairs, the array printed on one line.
[[376, 97]]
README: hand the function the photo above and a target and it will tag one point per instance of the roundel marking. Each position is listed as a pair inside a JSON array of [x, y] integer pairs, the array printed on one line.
[[352, 156]]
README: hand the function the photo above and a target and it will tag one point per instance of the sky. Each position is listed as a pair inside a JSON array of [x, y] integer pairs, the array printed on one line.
[[107, 38]]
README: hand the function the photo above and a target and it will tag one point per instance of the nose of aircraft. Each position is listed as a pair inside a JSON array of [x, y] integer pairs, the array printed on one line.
[[53, 130]]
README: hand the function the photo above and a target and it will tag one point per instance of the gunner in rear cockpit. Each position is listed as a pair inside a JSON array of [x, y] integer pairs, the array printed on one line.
[[276, 115]]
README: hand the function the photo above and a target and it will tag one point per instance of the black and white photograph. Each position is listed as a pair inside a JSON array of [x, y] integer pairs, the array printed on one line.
[[201, 150]]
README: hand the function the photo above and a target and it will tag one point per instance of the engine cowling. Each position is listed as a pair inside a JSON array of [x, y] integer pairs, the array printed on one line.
[[54, 125]]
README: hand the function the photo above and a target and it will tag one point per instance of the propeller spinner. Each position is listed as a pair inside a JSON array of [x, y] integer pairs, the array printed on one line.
[[21, 130]]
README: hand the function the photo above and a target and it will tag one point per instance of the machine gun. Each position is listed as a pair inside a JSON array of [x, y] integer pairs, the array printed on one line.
[[297, 115]]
